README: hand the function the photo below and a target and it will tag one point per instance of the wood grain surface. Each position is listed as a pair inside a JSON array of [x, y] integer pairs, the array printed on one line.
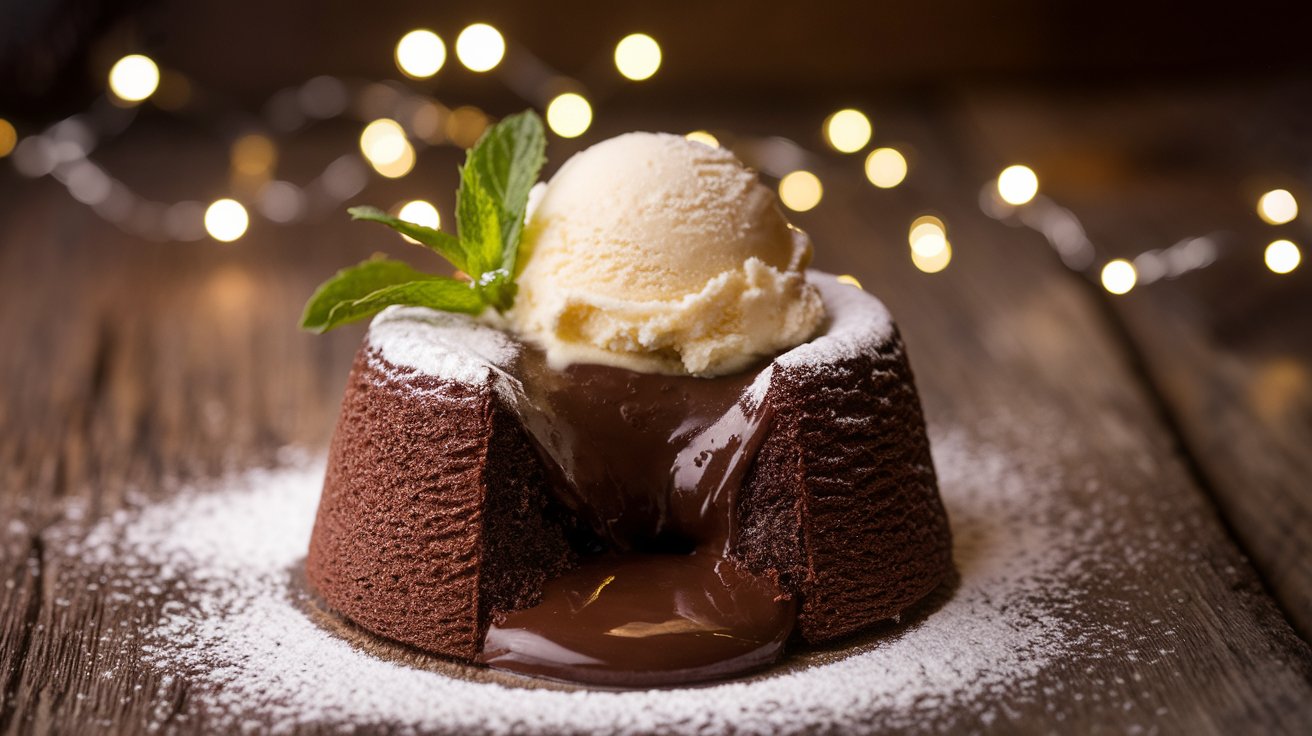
[[1226, 350], [131, 368]]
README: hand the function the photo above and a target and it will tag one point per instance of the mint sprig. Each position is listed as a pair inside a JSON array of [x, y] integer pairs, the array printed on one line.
[[491, 202]]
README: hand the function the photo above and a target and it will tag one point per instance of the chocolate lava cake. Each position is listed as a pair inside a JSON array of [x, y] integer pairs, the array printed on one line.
[[468, 484]]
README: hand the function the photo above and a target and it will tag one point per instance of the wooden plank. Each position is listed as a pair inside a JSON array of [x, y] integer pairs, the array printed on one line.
[[1228, 346], [147, 364]]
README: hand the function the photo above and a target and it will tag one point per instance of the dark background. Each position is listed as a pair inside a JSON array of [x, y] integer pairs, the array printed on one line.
[[53, 53]]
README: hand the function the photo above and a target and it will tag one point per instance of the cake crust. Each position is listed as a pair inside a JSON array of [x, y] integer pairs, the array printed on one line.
[[437, 512]]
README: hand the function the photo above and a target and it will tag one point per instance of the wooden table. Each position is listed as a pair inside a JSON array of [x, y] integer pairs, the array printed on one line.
[[132, 366]]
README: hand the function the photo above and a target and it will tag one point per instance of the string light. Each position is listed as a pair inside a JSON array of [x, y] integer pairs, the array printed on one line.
[[926, 226], [701, 136], [480, 47], [848, 131], [8, 137], [569, 115], [253, 155], [420, 213], [420, 54], [1017, 184], [62, 151], [800, 190], [383, 142], [398, 167], [134, 78], [1277, 207], [637, 56], [1282, 256], [226, 220], [935, 261], [848, 279], [1119, 276], [886, 167]]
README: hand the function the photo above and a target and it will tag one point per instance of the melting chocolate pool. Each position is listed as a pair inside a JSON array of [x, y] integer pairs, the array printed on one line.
[[652, 466]]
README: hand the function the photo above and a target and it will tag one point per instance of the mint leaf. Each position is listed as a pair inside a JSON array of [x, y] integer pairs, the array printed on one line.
[[495, 181], [491, 204], [353, 283], [506, 162], [359, 291], [435, 292], [444, 244], [478, 217]]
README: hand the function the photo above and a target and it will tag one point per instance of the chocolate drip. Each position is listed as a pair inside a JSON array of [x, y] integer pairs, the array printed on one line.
[[651, 465]]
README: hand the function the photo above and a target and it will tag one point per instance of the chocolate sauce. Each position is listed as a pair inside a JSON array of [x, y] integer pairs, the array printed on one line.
[[651, 465]]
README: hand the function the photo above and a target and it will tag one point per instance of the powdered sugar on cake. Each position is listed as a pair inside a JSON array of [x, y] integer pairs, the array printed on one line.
[[213, 570], [441, 344]]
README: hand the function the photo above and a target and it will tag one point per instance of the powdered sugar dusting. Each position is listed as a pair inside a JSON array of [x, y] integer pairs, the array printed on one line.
[[250, 655], [451, 346], [859, 324]]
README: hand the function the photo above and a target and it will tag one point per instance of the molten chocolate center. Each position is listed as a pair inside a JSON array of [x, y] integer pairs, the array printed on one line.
[[651, 465]]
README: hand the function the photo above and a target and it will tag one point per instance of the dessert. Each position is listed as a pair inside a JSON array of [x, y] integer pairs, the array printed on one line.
[[621, 465]]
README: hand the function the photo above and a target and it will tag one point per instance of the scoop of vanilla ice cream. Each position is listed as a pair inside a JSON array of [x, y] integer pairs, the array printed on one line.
[[655, 253]]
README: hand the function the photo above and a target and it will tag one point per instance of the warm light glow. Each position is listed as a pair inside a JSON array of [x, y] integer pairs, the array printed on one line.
[[1277, 207], [253, 155], [465, 124], [569, 115], [226, 220], [703, 137], [848, 130], [1119, 276], [8, 137], [886, 167], [383, 142], [800, 191], [849, 279], [1017, 184], [926, 225], [929, 244], [398, 167], [934, 262], [1282, 256], [420, 54], [134, 78], [480, 47], [420, 213], [637, 56]]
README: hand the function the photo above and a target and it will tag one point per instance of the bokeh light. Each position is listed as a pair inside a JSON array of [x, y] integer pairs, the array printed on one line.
[[1277, 207], [848, 130], [398, 167], [848, 279], [704, 137], [8, 137], [253, 155], [569, 115], [637, 56], [929, 244], [935, 261], [133, 78], [420, 54], [383, 141], [1119, 276], [926, 226], [1282, 256], [226, 220], [800, 190], [480, 47], [420, 213], [1017, 184], [465, 125], [886, 167]]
